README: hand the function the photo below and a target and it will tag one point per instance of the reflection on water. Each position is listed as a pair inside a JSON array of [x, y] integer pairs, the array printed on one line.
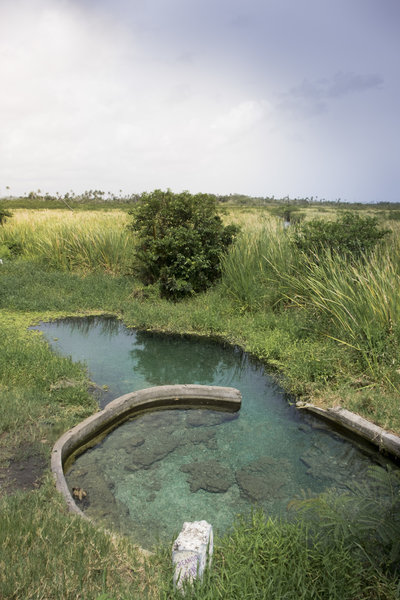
[[162, 468], [169, 359], [127, 360]]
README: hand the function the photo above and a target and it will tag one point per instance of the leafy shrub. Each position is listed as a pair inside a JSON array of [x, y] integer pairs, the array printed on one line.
[[350, 235], [4, 251], [180, 241], [4, 214]]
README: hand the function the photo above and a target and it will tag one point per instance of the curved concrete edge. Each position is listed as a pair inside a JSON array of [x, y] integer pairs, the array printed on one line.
[[367, 430], [120, 409]]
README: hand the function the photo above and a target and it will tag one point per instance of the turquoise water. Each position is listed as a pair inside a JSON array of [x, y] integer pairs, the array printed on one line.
[[162, 468]]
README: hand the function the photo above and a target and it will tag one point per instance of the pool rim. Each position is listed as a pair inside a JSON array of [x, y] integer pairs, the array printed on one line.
[[88, 432]]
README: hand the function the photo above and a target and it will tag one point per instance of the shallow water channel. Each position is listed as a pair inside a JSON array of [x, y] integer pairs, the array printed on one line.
[[162, 468]]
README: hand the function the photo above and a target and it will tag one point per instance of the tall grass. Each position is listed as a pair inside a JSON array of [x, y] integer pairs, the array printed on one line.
[[272, 560], [95, 249], [249, 269], [71, 241], [368, 514], [355, 303], [358, 302]]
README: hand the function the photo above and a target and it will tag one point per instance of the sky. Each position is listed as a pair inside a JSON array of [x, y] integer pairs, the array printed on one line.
[[295, 98]]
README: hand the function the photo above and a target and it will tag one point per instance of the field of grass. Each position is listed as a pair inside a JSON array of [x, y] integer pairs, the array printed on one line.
[[328, 332], [83, 241]]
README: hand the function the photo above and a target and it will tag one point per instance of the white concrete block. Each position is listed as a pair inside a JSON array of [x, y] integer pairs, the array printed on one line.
[[192, 551]]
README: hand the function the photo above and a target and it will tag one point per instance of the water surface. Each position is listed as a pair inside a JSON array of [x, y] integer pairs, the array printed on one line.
[[165, 467]]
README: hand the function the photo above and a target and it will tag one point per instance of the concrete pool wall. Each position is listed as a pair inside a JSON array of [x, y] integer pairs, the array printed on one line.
[[95, 427], [91, 429], [355, 424]]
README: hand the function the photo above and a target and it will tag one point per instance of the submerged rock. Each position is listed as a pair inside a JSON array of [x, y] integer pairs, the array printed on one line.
[[208, 418], [338, 466], [153, 450], [162, 420], [262, 478], [201, 436], [208, 475], [135, 440]]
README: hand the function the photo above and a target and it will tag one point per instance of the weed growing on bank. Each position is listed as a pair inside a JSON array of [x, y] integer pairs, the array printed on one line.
[[48, 553]]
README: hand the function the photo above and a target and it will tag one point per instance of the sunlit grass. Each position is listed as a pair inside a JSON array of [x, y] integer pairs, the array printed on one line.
[[85, 241], [48, 554], [354, 303]]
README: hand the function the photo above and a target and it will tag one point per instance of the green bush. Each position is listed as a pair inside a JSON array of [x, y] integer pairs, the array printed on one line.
[[350, 235], [180, 241], [4, 214], [4, 251]]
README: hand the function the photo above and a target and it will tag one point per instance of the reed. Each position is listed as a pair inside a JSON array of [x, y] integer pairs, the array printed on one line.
[[355, 303], [249, 269], [89, 241]]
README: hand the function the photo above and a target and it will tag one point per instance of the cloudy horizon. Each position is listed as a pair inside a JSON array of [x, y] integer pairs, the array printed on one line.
[[265, 98]]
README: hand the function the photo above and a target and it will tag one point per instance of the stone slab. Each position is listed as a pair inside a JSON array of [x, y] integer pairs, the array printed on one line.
[[192, 551]]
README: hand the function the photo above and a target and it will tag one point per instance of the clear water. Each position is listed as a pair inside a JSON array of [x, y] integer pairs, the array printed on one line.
[[165, 467]]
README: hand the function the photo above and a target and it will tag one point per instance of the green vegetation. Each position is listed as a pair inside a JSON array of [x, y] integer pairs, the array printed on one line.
[[368, 516], [66, 242], [350, 236], [87, 200], [47, 553], [290, 213], [4, 214], [353, 303], [271, 560], [180, 240], [327, 327]]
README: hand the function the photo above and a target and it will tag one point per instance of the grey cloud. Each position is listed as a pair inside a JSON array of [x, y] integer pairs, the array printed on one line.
[[306, 99], [311, 98], [348, 83]]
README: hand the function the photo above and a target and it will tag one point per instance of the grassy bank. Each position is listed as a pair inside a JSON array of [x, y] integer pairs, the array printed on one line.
[[328, 328], [47, 553]]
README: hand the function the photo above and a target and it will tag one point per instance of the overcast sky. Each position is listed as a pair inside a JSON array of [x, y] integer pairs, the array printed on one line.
[[261, 97]]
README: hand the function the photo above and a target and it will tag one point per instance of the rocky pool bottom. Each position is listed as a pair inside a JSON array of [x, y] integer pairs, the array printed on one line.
[[160, 469]]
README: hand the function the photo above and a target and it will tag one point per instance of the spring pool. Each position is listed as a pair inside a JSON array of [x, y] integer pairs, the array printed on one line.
[[164, 467]]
